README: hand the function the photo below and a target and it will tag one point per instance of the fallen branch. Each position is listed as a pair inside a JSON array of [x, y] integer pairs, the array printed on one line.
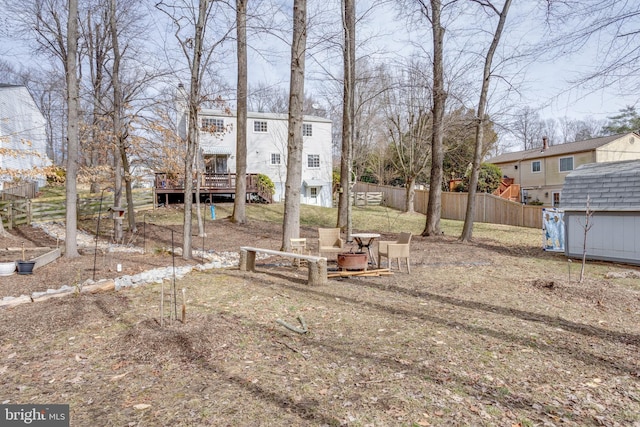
[[295, 350], [301, 331]]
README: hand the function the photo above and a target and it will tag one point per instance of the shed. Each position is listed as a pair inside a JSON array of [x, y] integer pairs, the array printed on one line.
[[613, 190]]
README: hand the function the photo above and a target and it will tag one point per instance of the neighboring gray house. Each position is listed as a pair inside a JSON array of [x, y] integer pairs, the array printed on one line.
[[614, 193], [23, 137]]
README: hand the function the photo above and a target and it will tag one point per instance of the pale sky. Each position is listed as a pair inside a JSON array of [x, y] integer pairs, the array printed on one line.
[[546, 83]]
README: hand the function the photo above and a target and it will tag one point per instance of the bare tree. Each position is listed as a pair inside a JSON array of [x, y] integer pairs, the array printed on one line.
[[348, 114], [467, 229], [71, 192], [239, 204], [291, 223], [95, 31], [198, 55], [409, 127], [265, 98], [528, 128], [434, 206], [119, 154], [588, 215], [608, 28]]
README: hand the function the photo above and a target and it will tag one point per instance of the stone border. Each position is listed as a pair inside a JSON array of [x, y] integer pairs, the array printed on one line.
[[156, 275]]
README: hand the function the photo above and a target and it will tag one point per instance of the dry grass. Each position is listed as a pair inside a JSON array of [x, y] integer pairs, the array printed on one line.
[[490, 334]]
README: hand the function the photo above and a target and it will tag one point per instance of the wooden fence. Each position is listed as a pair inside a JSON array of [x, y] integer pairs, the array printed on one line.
[[27, 211], [19, 191], [489, 208], [370, 198]]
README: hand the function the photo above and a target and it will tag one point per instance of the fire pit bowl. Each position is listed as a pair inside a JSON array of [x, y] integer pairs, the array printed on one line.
[[7, 268], [352, 261]]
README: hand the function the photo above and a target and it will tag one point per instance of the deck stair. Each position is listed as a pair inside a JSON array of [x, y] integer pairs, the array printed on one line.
[[508, 190]]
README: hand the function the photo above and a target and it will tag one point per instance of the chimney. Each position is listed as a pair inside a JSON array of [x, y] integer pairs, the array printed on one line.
[[545, 143]]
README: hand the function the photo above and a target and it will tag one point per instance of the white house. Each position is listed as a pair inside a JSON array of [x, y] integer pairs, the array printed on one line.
[[23, 137], [267, 151]]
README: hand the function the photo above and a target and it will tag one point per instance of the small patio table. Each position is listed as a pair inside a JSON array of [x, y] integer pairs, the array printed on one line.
[[370, 238]]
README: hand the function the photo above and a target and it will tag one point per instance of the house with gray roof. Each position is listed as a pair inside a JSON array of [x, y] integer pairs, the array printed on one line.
[[613, 190], [540, 173]]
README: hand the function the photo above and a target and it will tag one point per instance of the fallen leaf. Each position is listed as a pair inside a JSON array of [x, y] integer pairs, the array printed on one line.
[[141, 406], [117, 377]]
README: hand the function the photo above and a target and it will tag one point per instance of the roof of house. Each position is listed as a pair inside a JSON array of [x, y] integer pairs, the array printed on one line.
[[256, 115], [611, 186], [556, 150]]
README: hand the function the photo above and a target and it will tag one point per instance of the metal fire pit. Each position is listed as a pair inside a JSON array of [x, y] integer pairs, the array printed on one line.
[[352, 261]]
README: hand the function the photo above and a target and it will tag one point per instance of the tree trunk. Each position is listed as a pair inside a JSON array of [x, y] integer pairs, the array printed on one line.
[[117, 124], [239, 204], [434, 206], [3, 232], [193, 133], [117, 191], [201, 230], [71, 191], [348, 115], [467, 229], [126, 169], [291, 223], [410, 190]]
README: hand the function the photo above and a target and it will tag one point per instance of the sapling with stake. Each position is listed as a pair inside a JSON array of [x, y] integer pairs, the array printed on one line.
[[184, 305], [586, 227]]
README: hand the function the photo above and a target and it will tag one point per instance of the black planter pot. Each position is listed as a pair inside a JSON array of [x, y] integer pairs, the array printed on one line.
[[25, 267]]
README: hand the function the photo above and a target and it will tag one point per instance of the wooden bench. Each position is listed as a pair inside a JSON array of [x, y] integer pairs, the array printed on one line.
[[317, 265]]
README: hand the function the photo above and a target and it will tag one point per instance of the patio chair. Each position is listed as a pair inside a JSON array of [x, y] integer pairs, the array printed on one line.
[[329, 241], [395, 249], [298, 246]]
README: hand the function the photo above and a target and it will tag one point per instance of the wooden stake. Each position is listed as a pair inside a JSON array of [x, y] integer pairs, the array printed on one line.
[[184, 305]]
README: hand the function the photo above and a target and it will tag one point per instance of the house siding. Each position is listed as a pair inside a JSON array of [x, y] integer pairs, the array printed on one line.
[[625, 148], [261, 146], [541, 186], [22, 129]]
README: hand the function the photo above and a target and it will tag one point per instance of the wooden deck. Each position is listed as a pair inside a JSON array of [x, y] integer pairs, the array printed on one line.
[[210, 184]]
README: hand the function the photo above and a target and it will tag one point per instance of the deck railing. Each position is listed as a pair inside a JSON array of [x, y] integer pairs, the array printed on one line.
[[217, 182]]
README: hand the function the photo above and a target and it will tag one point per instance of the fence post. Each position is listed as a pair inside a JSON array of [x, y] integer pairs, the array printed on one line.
[[10, 215], [29, 219]]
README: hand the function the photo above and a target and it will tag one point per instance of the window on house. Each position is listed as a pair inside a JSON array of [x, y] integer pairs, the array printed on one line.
[[535, 166], [313, 192], [259, 126], [313, 161], [307, 129], [566, 164], [275, 158], [212, 125]]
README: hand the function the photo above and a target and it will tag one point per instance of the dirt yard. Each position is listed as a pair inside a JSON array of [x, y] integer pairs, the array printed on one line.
[[483, 334]]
